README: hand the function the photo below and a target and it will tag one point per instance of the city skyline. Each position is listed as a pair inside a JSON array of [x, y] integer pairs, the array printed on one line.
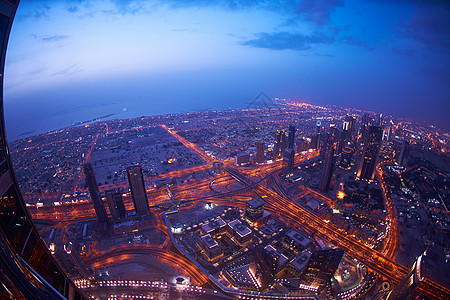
[[76, 60]]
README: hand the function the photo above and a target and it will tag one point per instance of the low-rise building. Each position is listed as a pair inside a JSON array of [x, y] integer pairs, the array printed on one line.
[[296, 241]]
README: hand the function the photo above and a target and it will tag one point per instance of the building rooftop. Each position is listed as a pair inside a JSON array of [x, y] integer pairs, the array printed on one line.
[[209, 242], [281, 258], [213, 225], [301, 260], [298, 237], [255, 203], [240, 228]]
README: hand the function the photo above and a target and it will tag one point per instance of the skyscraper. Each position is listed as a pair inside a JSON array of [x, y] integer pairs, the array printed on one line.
[[347, 128], [138, 191], [327, 169], [366, 170], [404, 153], [406, 286], [321, 267], [346, 157], [263, 266], [315, 142], [115, 203], [366, 122], [280, 143], [288, 161], [259, 153], [291, 137], [99, 208]]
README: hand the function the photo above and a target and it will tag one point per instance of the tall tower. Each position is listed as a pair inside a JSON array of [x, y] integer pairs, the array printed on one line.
[[259, 152], [138, 191], [288, 161], [99, 208], [366, 122], [347, 128], [280, 143], [115, 203], [327, 169], [291, 137], [346, 158], [407, 285], [404, 153], [366, 170]]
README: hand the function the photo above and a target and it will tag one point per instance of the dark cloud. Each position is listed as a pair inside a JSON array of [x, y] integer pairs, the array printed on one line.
[[429, 26], [127, 6], [72, 9], [40, 11], [317, 12], [50, 38], [300, 42], [287, 40], [53, 38]]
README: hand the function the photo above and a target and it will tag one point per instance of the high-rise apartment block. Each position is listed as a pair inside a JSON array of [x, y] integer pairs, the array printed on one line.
[[327, 169], [137, 187], [259, 153], [99, 208], [366, 170], [115, 204], [280, 144], [291, 137]]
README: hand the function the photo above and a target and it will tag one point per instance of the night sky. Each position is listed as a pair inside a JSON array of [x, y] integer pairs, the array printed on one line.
[[74, 60]]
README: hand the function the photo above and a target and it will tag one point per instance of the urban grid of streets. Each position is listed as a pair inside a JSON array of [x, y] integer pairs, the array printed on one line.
[[181, 149]]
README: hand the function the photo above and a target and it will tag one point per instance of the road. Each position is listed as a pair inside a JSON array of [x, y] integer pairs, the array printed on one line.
[[373, 259]]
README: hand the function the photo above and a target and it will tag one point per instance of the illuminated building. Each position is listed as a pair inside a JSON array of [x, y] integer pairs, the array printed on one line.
[[288, 161], [99, 208], [302, 145], [348, 127], [346, 157], [334, 135], [280, 144], [27, 269], [242, 233], [296, 241], [321, 267], [403, 157], [405, 287], [289, 153], [137, 187], [298, 264], [242, 159], [366, 170], [254, 209], [315, 142], [259, 152], [291, 141], [214, 226], [327, 170], [387, 133], [282, 259], [115, 204], [210, 247], [264, 266]]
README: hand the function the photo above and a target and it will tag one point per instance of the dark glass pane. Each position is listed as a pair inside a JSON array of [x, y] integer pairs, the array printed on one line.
[[13, 219]]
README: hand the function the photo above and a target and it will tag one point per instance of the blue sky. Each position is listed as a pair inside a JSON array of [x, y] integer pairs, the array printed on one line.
[[77, 57]]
